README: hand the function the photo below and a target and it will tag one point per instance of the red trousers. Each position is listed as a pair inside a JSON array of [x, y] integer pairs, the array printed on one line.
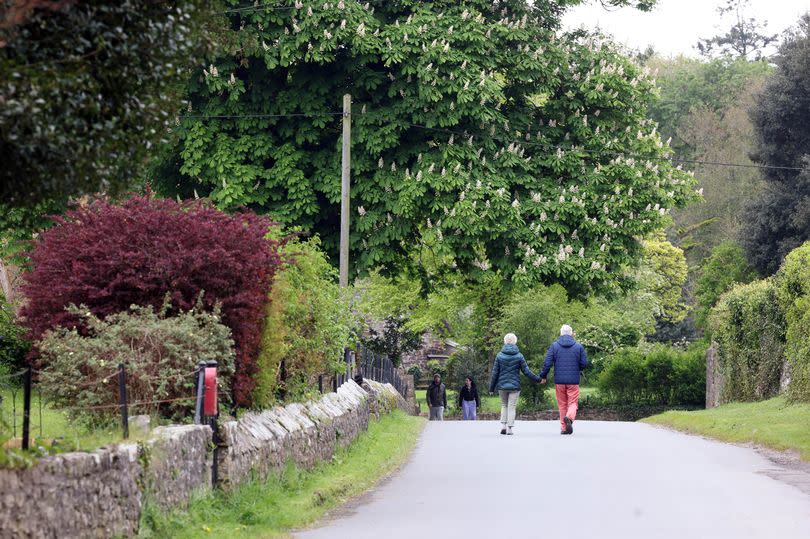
[[567, 401]]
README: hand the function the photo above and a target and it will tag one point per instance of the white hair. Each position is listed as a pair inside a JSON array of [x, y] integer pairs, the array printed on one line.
[[510, 338], [566, 330]]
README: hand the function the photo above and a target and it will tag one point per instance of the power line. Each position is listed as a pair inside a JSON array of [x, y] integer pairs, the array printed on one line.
[[247, 9], [259, 116]]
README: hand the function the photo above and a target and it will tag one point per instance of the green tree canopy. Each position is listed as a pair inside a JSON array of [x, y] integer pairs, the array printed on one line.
[[779, 220], [725, 267], [86, 91], [669, 270], [704, 107], [481, 133]]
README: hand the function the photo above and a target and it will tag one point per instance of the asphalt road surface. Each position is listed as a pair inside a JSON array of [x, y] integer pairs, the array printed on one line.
[[622, 480]]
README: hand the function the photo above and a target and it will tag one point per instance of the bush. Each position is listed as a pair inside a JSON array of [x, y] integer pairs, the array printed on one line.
[[307, 325], [394, 340], [748, 324], [668, 263], [535, 316], [416, 372], [434, 367], [110, 257], [663, 375], [13, 345], [468, 362], [603, 327], [725, 267], [793, 282], [160, 355]]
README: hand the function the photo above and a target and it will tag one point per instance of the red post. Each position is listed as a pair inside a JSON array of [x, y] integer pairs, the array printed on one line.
[[210, 400]]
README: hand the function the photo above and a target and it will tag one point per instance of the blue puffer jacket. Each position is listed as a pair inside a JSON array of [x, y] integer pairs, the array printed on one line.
[[568, 358], [506, 371]]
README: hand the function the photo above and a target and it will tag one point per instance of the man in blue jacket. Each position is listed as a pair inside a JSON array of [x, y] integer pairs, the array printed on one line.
[[567, 357]]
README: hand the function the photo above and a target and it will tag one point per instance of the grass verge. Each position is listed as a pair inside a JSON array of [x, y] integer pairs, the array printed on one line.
[[296, 498], [772, 423]]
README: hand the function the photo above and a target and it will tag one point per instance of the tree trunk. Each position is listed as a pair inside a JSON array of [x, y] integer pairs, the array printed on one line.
[[5, 283], [9, 277]]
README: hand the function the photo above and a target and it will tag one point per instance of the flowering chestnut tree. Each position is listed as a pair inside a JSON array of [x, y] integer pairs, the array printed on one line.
[[482, 135]]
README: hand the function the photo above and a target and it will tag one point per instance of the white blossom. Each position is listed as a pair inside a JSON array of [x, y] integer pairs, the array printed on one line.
[[361, 210]]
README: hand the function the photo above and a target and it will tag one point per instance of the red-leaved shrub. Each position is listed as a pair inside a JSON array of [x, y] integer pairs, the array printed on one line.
[[109, 257]]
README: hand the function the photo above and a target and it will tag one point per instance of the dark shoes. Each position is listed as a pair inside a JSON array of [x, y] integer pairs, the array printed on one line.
[[569, 425], [503, 431]]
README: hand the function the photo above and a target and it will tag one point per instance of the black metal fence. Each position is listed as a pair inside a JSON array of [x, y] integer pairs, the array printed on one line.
[[367, 364], [379, 367], [21, 416]]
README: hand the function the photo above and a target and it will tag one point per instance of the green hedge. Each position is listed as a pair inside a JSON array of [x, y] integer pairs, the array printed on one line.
[[793, 282], [748, 325], [763, 326], [662, 375], [307, 325]]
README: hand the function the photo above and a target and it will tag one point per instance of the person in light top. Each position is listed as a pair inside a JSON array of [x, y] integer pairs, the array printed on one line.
[[509, 363]]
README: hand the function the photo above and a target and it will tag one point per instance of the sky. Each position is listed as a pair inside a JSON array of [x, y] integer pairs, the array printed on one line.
[[675, 26]]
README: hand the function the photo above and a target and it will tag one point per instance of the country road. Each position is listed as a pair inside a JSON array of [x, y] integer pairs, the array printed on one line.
[[608, 480]]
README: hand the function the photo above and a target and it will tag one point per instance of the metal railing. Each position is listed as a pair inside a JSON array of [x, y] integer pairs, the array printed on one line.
[[367, 364], [379, 367]]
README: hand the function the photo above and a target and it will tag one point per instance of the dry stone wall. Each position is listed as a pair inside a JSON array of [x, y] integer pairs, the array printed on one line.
[[73, 495], [176, 462], [101, 494]]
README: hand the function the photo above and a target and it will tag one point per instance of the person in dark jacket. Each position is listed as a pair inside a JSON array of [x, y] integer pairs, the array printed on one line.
[[468, 400], [436, 399], [568, 358], [509, 363]]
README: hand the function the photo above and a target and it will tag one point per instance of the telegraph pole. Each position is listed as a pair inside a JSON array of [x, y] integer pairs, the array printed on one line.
[[344, 191]]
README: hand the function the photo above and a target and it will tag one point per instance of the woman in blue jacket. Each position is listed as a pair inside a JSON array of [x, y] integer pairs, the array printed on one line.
[[506, 379]]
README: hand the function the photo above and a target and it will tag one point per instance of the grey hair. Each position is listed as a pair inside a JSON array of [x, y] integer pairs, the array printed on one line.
[[566, 330], [510, 338]]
